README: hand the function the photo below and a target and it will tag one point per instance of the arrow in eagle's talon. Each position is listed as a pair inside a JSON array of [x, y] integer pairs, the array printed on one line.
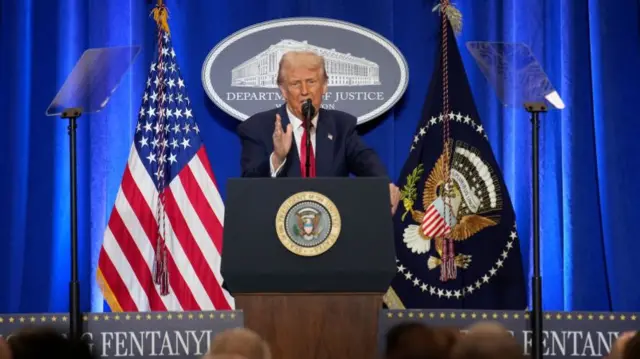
[[433, 262], [463, 261]]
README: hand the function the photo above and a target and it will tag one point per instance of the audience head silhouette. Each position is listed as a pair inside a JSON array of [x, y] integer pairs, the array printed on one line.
[[487, 340], [39, 343], [238, 343]]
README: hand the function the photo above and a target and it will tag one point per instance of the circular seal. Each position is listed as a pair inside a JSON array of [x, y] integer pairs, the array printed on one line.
[[308, 223]]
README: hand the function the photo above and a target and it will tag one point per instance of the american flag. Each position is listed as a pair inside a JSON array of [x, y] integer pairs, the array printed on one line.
[[162, 246]]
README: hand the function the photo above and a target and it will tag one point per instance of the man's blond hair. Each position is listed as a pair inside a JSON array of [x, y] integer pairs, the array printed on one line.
[[313, 61]]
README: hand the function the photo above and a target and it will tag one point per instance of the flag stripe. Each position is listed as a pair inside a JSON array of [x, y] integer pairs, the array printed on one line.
[[204, 160], [124, 275], [437, 222], [142, 289], [188, 288], [106, 290], [430, 219], [199, 201], [184, 235], [431, 222], [204, 226], [207, 181], [120, 298], [145, 257], [148, 222], [202, 175], [439, 230]]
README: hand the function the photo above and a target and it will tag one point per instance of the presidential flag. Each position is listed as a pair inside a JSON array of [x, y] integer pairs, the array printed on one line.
[[161, 248], [456, 240]]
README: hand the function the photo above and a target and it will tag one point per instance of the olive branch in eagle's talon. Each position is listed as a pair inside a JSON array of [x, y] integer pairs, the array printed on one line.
[[409, 192]]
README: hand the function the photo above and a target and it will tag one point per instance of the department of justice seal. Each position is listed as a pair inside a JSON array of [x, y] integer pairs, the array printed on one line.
[[308, 224]]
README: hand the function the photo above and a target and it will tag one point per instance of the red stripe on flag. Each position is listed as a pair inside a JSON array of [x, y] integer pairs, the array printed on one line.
[[211, 224], [114, 281], [438, 224], [202, 155], [136, 260], [430, 217], [191, 248], [201, 206], [150, 226], [438, 230]]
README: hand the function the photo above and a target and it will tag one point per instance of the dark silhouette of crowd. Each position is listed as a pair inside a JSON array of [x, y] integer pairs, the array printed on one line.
[[415, 340], [43, 342], [410, 340]]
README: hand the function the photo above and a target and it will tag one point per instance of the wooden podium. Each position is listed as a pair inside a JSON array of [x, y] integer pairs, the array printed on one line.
[[315, 326], [315, 305]]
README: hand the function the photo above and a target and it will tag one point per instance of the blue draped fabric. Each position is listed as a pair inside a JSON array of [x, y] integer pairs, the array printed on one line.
[[589, 171]]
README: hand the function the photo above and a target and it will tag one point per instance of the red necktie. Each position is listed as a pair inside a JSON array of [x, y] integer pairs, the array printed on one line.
[[303, 157]]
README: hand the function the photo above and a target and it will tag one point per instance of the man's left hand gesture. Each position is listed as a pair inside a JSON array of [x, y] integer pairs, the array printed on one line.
[[395, 197]]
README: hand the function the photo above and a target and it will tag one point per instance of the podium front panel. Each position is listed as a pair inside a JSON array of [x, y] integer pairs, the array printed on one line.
[[305, 235]]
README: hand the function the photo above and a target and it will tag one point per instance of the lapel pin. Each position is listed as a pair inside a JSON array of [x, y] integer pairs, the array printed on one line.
[[330, 136]]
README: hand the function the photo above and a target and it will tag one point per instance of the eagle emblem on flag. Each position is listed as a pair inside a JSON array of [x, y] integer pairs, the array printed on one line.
[[456, 209]]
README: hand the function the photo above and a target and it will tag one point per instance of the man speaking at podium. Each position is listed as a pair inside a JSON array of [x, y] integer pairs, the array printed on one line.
[[336, 150]]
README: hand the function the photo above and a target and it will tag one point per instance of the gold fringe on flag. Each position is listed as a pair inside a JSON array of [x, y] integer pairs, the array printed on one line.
[[453, 14], [161, 16]]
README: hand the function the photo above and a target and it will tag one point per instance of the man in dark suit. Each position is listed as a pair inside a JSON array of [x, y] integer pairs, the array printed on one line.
[[336, 148]]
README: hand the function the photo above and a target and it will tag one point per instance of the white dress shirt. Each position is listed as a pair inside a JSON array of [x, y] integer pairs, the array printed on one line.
[[298, 131]]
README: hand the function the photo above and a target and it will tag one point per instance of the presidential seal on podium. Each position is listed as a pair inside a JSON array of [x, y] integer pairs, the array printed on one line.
[[308, 223]]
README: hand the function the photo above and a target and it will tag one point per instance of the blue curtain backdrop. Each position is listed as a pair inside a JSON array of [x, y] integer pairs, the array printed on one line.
[[590, 50]]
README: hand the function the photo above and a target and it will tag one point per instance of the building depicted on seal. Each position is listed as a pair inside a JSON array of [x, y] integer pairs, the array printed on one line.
[[343, 69]]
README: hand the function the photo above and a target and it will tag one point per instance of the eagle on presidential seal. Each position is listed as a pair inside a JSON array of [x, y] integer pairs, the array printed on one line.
[[456, 209], [307, 226]]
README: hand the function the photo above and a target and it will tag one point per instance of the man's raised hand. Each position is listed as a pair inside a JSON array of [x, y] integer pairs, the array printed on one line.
[[281, 142]]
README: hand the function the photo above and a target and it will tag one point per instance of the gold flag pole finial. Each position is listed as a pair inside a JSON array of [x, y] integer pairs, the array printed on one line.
[[161, 15], [453, 14]]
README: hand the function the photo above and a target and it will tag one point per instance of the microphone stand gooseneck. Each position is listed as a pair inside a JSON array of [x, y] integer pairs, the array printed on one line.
[[308, 111]]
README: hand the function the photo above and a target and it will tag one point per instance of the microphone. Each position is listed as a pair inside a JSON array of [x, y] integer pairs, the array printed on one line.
[[308, 111]]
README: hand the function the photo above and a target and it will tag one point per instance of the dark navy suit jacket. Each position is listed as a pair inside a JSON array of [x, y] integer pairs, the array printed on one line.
[[339, 150]]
